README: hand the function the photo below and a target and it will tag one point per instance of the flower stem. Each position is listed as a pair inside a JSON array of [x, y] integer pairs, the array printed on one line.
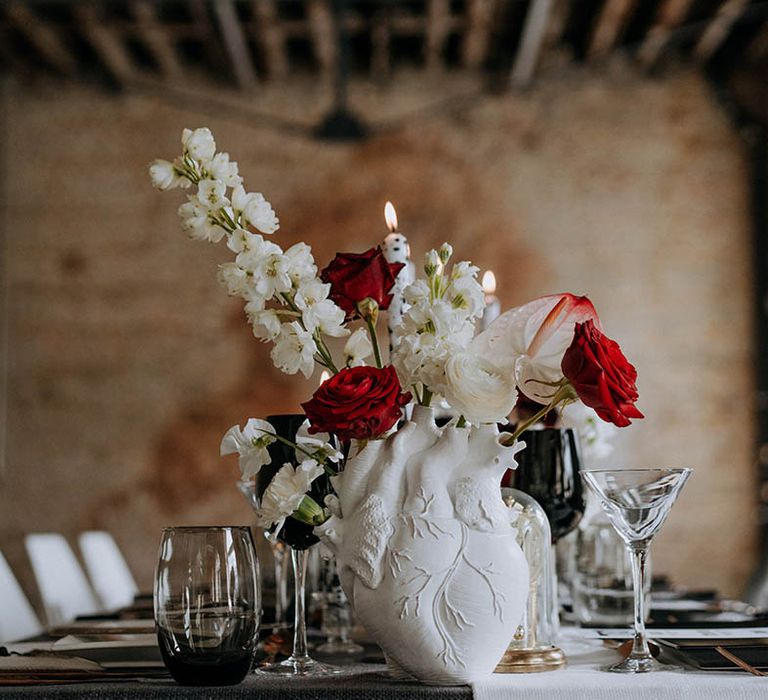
[[564, 394], [426, 397], [374, 341]]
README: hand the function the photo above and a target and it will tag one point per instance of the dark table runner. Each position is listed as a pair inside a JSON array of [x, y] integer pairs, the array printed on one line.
[[358, 682]]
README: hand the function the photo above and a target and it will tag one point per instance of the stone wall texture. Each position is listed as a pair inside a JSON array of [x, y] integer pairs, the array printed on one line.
[[127, 362]]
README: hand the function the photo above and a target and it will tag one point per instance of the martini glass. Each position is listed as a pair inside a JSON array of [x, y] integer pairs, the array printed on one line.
[[637, 502]]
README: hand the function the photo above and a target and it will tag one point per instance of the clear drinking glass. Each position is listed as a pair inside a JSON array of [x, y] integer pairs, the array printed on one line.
[[207, 604], [637, 502]]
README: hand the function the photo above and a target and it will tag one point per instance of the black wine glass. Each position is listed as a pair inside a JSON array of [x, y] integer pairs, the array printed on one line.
[[207, 604], [549, 471]]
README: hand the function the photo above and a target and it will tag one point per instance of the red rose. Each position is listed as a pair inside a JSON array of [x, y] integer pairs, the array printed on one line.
[[358, 402], [601, 375], [357, 276]]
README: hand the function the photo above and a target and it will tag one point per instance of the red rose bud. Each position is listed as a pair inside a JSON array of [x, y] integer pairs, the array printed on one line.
[[602, 377], [359, 402], [357, 276]]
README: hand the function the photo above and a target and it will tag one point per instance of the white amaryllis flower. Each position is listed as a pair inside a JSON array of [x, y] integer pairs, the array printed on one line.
[[212, 194], [164, 176], [251, 444], [221, 168], [357, 348], [285, 493], [294, 350], [478, 389], [532, 339], [318, 445], [199, 144]]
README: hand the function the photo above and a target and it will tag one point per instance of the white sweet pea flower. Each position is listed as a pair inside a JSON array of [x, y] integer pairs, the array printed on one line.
[[294, 350], [285, 493], [221, 168], [164, 176], [357, 348], [318, 445], [212, 194], [301, 263], [251, 444], [199, 144], [266, 324], [478, 389]]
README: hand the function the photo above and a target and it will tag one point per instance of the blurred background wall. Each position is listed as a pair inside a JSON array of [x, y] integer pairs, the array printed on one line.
[[127, 361]]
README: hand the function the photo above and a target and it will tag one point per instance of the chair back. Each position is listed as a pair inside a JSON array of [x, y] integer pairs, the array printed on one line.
[[110, 576], [63, 586], [17, 618]]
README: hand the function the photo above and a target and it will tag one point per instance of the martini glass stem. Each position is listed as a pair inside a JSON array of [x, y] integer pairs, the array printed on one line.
[[299, 558], [639, 555]]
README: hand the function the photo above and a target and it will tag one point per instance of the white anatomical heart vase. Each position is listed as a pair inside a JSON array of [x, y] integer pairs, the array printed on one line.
[[426, 553]]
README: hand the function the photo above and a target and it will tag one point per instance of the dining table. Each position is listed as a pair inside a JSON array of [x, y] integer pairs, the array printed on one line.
[[583, 678]]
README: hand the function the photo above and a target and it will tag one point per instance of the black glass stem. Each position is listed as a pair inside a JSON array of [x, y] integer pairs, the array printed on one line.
[[548, 470]]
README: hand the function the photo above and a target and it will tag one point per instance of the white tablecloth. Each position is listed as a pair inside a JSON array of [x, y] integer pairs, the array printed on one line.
[[584, 679]]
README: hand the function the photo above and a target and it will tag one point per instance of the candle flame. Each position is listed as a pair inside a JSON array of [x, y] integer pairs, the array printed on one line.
[[324, 376], [489, 282], [390, 216]]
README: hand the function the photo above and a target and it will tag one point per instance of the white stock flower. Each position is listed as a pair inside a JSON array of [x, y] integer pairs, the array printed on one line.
[[268, 265], [314, 444], [266, 324], [241, 240], [357, 348], [199, 144], [212, 194], [251, 444], [294, 350], [285, 493], [256, 210], [234, 279], [196, 223], [301, 263], [317, 311], [221, 168], [163, 175], [478, 389]]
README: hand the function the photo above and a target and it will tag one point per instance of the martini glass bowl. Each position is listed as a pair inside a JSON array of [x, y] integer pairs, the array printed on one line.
[[637, 502]]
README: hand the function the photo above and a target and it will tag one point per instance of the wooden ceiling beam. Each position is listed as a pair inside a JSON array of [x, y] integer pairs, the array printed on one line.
[[323, 33], [477, 36], [42, 36], [156, 38], [610, 27], [107, 44], [671, 14], [436, 34], [534, 35], [719, 28], [381, 37], [271, 37], [235, 43]]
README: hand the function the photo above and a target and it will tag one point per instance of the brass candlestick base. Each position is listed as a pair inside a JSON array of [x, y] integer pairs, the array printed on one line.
[[531, 660]]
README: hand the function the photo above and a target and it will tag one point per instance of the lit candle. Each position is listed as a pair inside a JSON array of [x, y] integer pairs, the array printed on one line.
[[397, 250], [492, 303]]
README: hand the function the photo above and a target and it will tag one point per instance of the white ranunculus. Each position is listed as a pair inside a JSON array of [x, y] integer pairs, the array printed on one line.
[[199, 144], [266, 324], [163, 175], [251, 444], [221, 168], [478, 389], [294, 350], [318, 445], [285, 493], [212, 194], [301, 263], [357, 348]]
